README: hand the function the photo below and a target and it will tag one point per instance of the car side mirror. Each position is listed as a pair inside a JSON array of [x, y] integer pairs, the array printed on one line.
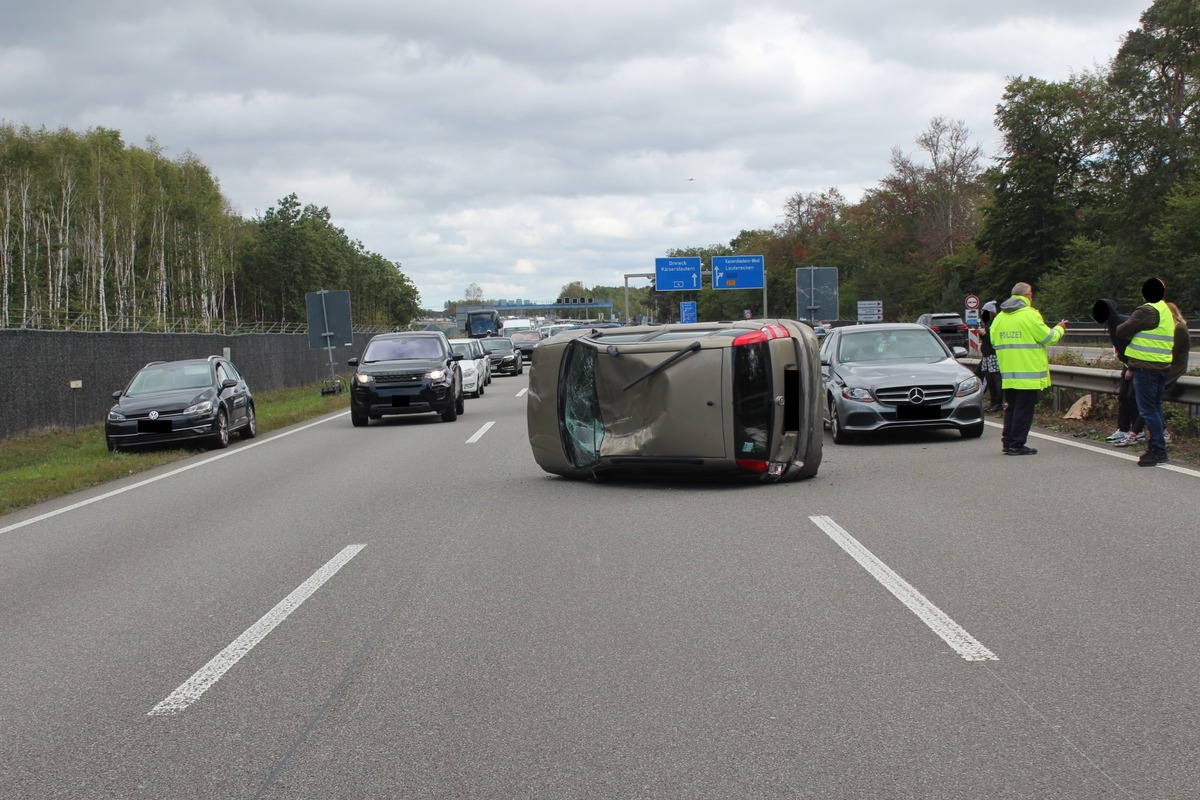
[[117, 394], [352, 362], [228, 383], [824, 361], [959, 352], [457, 357]]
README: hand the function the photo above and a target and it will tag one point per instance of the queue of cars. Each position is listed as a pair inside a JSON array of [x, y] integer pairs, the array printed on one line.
[[740, 398]]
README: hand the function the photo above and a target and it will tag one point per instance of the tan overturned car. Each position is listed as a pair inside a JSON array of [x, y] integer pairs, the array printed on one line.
[[722, 398]]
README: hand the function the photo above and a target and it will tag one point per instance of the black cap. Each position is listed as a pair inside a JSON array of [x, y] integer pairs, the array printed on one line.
[[1154, 290]]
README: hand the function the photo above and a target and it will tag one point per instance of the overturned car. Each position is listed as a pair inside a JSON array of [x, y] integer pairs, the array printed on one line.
[[736, 399]]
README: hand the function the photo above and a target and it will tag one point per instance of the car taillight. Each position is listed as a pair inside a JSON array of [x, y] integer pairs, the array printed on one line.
[[763, 334], [751, 465], [962, 327]]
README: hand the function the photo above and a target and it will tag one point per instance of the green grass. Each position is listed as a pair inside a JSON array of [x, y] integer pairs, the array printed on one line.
[[47, 465]]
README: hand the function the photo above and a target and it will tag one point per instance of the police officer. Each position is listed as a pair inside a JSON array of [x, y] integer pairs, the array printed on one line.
[[1021, 337], [1151, 333]]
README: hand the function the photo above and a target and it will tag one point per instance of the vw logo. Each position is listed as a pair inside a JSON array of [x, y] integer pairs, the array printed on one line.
[[153, 415], [916, 395]]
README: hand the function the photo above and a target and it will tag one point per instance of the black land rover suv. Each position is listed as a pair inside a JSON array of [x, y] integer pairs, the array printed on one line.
[[406, 373]]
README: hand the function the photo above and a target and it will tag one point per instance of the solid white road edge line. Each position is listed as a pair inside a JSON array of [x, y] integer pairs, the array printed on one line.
[[950, 631], [191, 689], [479, 433], [139, 484], [522, 392], [1108, 450]]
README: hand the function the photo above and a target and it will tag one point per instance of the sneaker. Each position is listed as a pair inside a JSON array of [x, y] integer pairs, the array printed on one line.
[[1117, 436], [1130, 440], [1021, 451], [1152, 458]]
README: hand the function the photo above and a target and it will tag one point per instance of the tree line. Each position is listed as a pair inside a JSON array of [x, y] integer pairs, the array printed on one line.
[[1097, 188], [96, 235]]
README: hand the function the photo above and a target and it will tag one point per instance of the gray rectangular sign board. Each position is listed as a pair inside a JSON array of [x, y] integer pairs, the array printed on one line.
[[328, 319], [817, 293]]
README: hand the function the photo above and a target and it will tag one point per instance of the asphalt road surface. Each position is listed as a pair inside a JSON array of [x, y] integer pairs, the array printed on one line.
[[414, 609]]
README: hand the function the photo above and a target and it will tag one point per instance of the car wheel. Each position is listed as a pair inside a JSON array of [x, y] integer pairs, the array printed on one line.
[[479, 390], [112, 444], [972, 431], [450, 412], [220, 439], [358, 418], [840, 436], [250, 430], [460, 402]]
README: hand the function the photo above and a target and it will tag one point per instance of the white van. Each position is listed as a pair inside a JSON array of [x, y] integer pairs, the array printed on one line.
[[511, 325]]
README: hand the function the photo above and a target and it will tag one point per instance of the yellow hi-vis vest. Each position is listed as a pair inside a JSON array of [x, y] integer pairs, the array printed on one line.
[[1155, 344], [1021, 338]]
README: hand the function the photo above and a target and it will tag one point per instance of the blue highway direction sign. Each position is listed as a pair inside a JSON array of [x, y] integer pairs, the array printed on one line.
[[738, 272], [677, 274]]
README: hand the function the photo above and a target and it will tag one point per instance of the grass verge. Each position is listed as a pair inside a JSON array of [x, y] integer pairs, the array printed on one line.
[[47, 465]]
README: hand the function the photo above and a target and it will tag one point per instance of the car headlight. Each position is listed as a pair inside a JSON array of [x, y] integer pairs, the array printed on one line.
[[203, 407], [968, 386], [364, 378], [854, 393], [468, 369], [437, 375], [115, 416]]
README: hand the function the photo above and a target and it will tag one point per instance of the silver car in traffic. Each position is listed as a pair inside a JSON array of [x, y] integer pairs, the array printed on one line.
[[896, 375]]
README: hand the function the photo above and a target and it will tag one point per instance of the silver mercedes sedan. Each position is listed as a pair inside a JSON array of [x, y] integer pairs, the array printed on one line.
[[896, 375]]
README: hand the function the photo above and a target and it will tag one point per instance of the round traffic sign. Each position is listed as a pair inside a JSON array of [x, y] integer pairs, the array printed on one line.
[[972, 301]]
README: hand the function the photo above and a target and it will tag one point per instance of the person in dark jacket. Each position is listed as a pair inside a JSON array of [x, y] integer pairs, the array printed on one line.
[[989, 367], [1151, 333], [1105, 312]]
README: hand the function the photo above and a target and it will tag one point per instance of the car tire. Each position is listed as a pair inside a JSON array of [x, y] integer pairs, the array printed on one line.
[[840, 436], [358, 419], [460, 404], [250, 429], [111, 444], [450, 412], [220, 439], [972, 431]]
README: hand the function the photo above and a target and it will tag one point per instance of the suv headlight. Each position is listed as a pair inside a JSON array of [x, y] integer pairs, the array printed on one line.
[[437, 375], [364, 378], [203, 407]]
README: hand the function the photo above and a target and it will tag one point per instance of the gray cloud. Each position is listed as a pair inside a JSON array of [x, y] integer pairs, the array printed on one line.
[[528, 144]]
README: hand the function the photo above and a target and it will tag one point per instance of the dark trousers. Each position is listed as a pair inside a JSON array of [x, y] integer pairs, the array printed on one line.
[[1127, 412], [1019, 405], [1148, 387]]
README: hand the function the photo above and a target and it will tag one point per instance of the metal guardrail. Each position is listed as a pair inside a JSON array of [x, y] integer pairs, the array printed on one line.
[[1108, 381]]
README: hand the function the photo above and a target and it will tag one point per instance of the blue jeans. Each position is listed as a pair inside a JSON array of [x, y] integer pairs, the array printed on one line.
[[1148, 389]]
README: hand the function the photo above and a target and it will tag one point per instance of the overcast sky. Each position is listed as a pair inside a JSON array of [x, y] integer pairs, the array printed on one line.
[[524, 144]]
